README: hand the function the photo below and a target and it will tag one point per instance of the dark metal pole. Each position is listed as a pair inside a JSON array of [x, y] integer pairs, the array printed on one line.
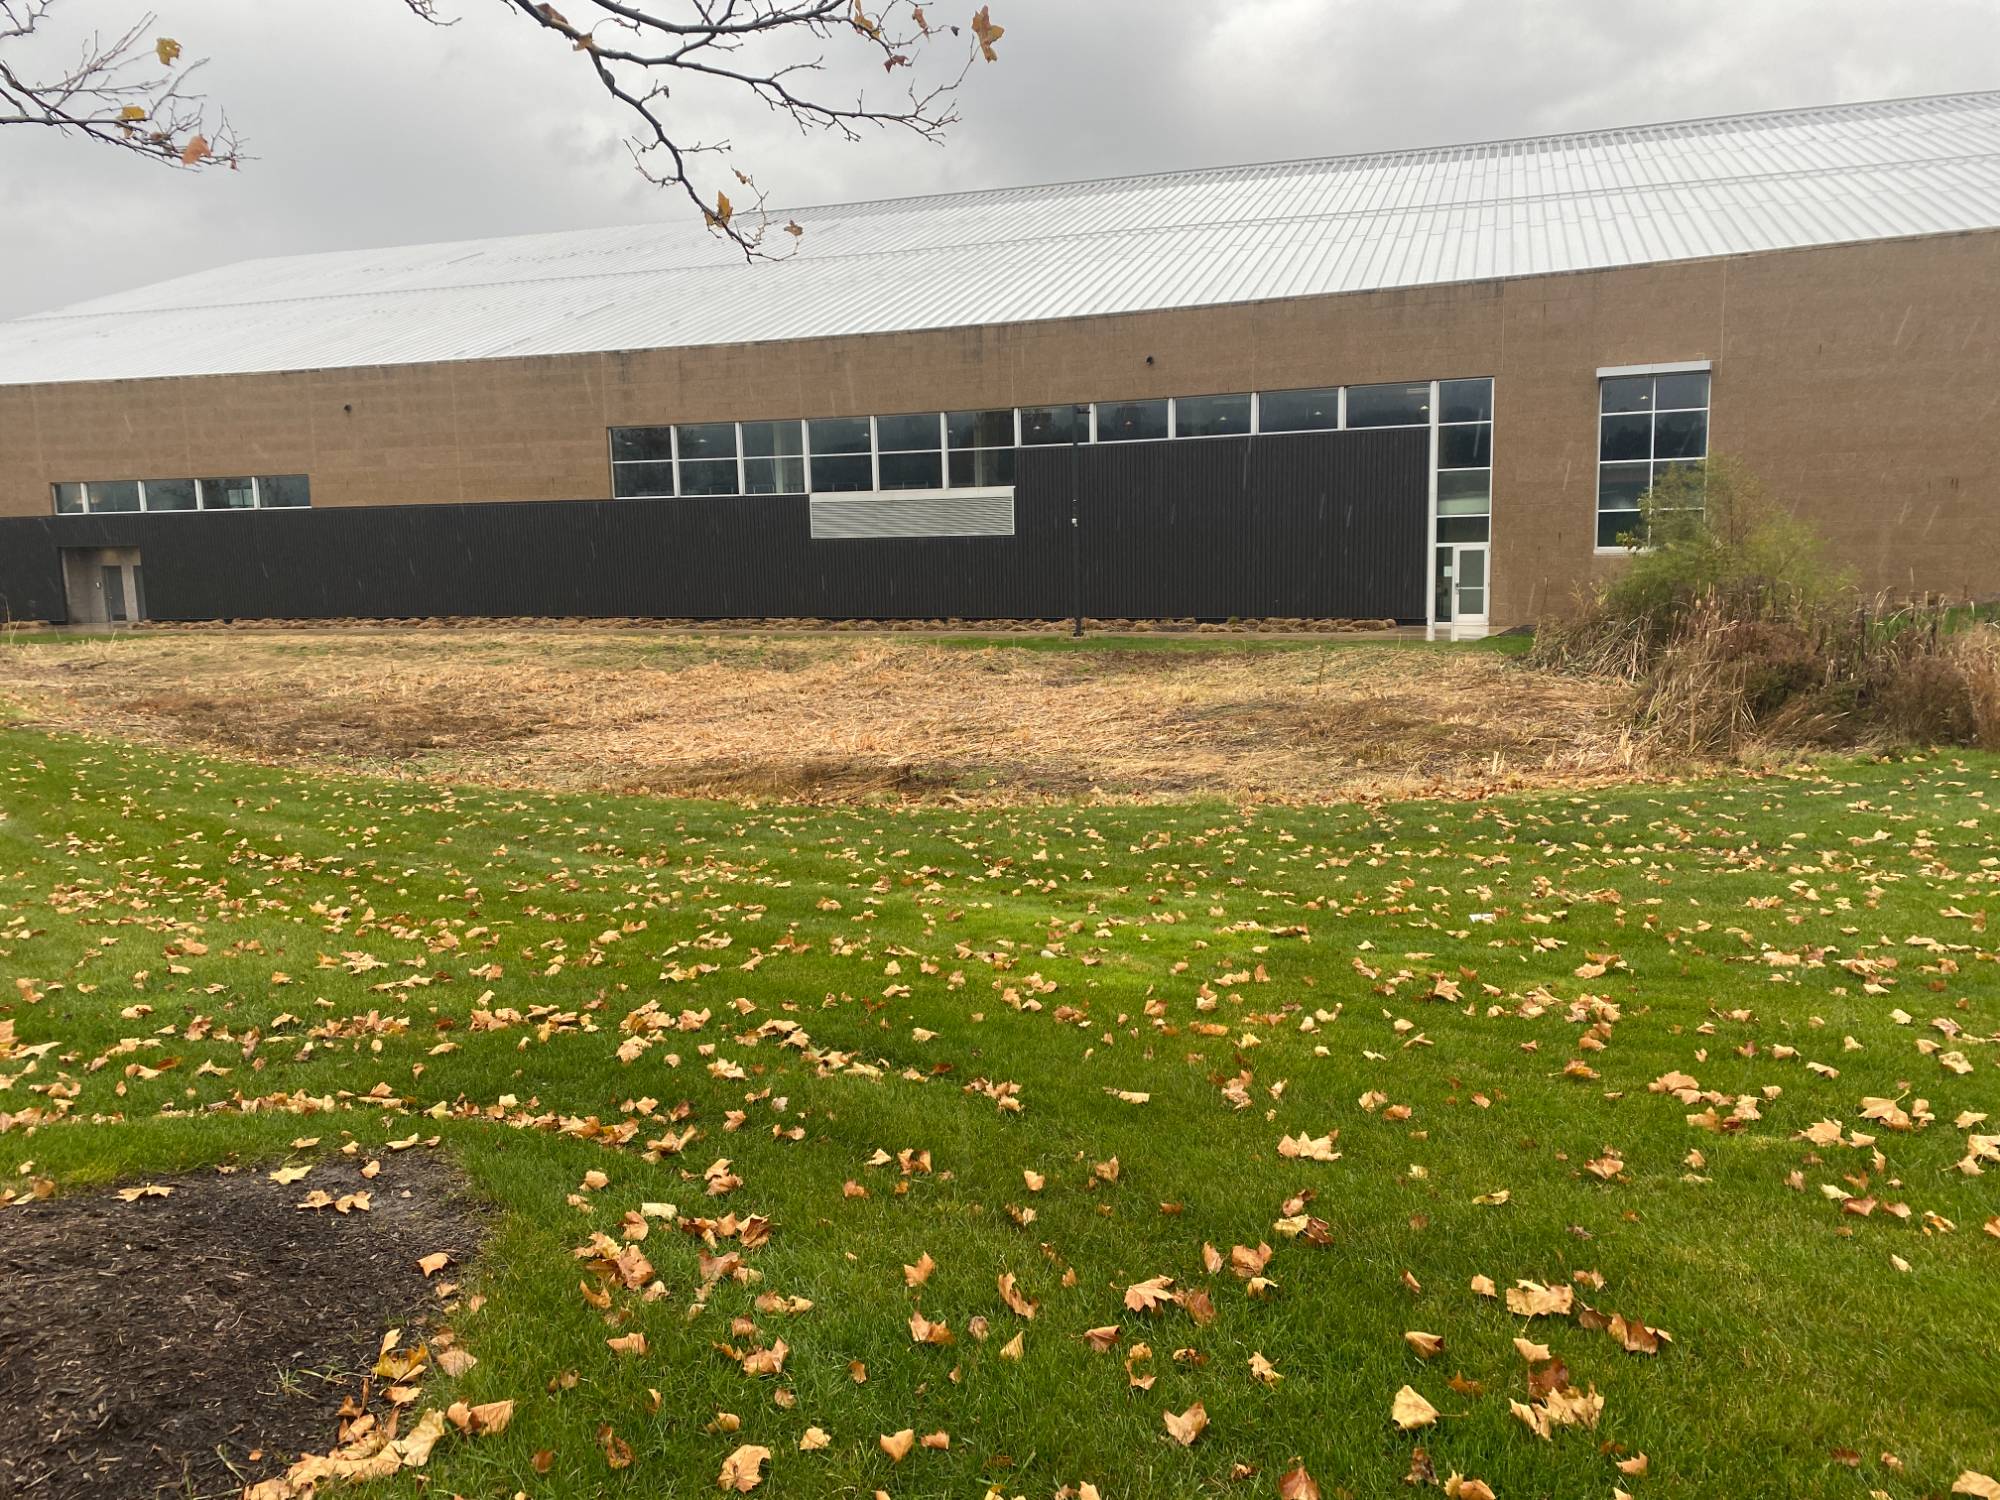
[[1075, 547]]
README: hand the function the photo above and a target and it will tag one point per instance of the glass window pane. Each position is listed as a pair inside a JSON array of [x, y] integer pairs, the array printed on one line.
[[113, 495], [1211, 416], [1465, 492], [1680, 434], [1664, 471], [837, 435], [1464, 528], [841, 473], [709, 476], [917, 432], [1055, 424], [170, 494], [1613, 526], [1681, 390], [1619, 486], [1626, 437], [773, 476], [1465, 400], [707, 440], [1388, 405], [773, 440], [628, 481], [69, 499], [637, 481], [1628, 393], [283, 491], [912, 471], [981, 429], [1467, 447], [641, 443], [1131, 421], [982, 466], [226, 494], [1298, 411]]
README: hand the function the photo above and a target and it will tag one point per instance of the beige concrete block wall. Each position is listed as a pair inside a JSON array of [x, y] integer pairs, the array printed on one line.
[[1863, 383]]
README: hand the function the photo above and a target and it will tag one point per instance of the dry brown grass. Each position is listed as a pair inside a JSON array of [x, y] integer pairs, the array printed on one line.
[[832, 718]]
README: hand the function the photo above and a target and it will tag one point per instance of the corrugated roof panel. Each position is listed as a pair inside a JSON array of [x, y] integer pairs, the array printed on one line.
[[1182, 239]]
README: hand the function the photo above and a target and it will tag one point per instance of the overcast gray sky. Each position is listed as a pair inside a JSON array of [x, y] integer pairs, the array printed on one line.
[[370, 128]]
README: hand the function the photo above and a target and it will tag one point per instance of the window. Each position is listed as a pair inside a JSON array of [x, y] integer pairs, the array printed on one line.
[[1131, 421], [116, 495], [274, 492], [911, 451], [1299, 411], [1389, 405], [170, 494], [112, 496], [981, 447], [124, 496], [1054, 424], [642, 462], [227, 494], [841, 454], [1465, 460], [1648, 422], [1211, 416], [705, 459], [774, 458]]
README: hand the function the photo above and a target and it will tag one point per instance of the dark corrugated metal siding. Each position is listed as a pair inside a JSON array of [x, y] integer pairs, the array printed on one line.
[[1312, 524]]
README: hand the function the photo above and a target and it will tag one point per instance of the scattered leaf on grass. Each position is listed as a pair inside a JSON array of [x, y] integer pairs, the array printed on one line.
[[1185, 1427], [743, 1470], [1410, 1410]]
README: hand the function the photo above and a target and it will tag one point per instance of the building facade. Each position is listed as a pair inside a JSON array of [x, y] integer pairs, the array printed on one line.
[[1427, 387]]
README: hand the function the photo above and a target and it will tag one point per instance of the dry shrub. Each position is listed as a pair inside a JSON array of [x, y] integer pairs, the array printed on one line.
[[1976, 653], [1735, 630], [1717, 680]]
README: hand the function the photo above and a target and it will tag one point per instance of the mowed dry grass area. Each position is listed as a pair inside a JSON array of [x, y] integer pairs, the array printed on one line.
[[838, 717]]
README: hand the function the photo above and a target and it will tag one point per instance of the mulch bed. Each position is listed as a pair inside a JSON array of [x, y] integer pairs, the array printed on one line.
[[152, 1346]]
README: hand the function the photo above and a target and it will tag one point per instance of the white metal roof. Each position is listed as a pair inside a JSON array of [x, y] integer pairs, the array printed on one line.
[[1649, 193]]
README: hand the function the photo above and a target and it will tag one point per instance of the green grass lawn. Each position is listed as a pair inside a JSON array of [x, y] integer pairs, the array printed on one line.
[[1471, 998]]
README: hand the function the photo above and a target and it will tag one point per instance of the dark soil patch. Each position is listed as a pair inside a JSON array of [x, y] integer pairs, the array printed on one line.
[[150, 1347], [362, 727]]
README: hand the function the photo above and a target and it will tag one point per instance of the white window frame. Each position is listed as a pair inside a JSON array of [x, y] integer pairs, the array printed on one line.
[[673, 459], [943, 453], [945, 449], [1618, 372], [145, 497], [1437, 427], [1133, 401], [1174, 417], [743, 457]]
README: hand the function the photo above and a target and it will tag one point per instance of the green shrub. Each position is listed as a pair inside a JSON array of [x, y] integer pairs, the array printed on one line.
[[1713, 529]]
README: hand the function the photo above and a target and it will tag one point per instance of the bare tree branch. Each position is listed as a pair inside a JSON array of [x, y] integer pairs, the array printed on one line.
[[641, 51], [128, 90]]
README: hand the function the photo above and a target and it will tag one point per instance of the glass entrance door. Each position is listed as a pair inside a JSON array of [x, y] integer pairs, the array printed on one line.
[[1468, 580]]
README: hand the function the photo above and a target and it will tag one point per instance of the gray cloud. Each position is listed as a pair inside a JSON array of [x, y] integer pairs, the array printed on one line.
[[369, 128]]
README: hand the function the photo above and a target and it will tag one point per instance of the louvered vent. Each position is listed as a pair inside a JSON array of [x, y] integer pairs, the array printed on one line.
[[913, 513]]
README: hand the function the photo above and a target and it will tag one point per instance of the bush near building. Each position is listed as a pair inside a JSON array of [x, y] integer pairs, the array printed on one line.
[[1735, 630]]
